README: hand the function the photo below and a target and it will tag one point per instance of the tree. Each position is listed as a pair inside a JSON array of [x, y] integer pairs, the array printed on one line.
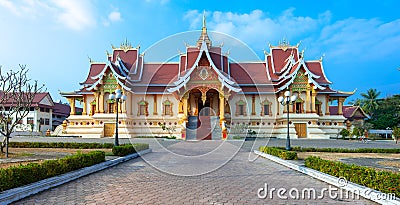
[[17, 92], [356, 102], [387, 114], [370, 101]]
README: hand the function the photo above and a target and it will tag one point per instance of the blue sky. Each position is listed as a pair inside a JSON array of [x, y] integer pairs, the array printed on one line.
[[54, 38]]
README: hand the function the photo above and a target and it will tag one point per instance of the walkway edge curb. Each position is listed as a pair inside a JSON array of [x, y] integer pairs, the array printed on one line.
[[363, 191], [12, 195]]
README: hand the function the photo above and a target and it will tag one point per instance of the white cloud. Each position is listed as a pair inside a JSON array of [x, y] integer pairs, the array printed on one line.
[[72, 14], [114, 16], [75, 14], [340, 39]]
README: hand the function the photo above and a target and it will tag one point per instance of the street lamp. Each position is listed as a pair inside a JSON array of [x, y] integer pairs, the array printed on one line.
[[119, 98], [287, 100]]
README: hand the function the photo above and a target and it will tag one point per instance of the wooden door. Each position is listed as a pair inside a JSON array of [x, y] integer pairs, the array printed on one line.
[[301, 130], [109, 129]]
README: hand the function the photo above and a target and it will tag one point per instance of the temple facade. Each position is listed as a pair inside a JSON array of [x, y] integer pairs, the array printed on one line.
[[205, 95]]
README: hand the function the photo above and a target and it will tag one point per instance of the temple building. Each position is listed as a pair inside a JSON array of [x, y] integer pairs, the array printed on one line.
[[206, 95]]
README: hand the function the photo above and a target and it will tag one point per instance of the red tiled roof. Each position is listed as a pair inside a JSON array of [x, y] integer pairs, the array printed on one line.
[[348, 111], [159, 73], [35, 102], [129, 57], [249, 73], [279, 57], [61, 109], [95, 69], [316, 68]]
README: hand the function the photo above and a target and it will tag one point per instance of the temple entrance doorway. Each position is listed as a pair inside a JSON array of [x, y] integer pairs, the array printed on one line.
[[203, 119]]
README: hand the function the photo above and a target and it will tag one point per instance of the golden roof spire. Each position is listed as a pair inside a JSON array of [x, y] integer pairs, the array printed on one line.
[[204, 35]]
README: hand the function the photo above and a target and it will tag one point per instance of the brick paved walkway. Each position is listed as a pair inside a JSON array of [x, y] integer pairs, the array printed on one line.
[[236, 182]]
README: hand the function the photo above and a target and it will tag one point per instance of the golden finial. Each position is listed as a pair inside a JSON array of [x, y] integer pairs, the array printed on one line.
[[322, 57], [90, 60], [125, 46], [107, 53], [221, 45], [228, 52], [265, 52]]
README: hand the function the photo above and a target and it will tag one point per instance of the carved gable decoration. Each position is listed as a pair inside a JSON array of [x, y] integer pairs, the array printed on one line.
[[110, 84], [203, 74], [300, 83]]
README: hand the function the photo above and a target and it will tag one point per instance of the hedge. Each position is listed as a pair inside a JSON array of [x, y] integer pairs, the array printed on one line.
[[343, 150], [384, 181], [17, 176], [129, 149], [70, 145], [290, 155]]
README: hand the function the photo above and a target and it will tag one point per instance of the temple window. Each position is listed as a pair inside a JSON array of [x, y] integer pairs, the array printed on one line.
[[167, 105], [241, 108], [143, 108], [266, 108]]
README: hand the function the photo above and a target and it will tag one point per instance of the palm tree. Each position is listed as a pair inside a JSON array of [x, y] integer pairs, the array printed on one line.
[[356, 102], [370, 101]]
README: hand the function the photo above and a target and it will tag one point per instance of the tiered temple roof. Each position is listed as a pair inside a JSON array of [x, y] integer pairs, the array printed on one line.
[[283, 64]]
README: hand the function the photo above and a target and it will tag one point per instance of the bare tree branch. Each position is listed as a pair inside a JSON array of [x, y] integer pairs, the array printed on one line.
[[17, 93]]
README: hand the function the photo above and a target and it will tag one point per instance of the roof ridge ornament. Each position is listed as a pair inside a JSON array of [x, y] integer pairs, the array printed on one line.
[[126, 45], [284, 44], [204, 36]]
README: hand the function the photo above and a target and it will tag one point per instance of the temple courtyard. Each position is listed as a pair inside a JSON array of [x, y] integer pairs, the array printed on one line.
[[200, 172]]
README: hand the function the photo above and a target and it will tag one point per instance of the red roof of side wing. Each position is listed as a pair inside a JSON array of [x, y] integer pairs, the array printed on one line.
[[249, 73], [95, 69], [316, 68], [192, 54], [279, 57], [159, 73], [129, 57]]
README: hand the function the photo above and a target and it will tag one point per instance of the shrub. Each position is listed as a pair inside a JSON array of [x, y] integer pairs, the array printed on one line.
[[17, 176], [383, 181], [288, 155], [69, 145], [124, 150], [343, 150], [345, 133]]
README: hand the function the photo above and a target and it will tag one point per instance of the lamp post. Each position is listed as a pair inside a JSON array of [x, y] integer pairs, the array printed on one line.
[[119, 98], [287, 100]]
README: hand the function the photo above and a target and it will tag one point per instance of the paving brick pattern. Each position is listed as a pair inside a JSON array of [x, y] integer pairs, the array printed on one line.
[[137, 182]]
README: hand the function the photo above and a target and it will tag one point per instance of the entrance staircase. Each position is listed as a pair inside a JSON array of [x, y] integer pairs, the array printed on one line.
[[203, 128]]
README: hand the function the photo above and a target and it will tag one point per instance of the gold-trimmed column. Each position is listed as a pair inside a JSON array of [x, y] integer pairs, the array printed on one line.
[[101, 101], [327, 105], [185, 106], [222, 116], [253, 105], [221, 108], [96, 98], [313, 96], [84, 111], [308, 100], [155, 104], [340, 106], [72, 105]]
